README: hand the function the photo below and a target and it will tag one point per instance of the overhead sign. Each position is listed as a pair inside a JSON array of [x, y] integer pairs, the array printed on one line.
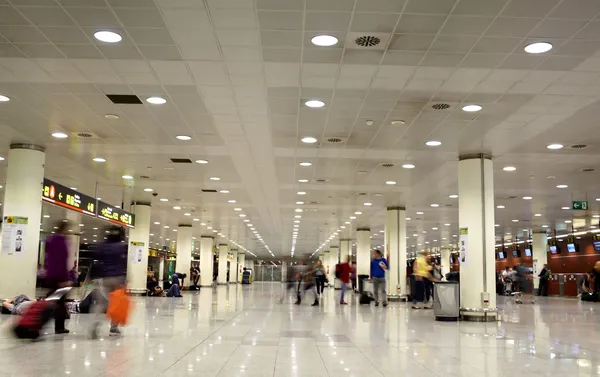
[[115, 215], [581, 205], [65, 197]]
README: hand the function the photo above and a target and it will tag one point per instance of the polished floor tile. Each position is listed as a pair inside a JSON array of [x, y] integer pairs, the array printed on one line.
[[245, 331]]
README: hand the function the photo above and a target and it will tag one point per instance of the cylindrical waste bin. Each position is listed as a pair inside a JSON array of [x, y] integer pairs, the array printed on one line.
[[361, 279], [446, 301]]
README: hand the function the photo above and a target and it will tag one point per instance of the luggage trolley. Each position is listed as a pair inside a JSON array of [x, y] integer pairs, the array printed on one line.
[[523, 287]]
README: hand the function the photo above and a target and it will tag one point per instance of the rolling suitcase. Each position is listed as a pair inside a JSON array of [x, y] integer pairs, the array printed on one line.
[[366, 296]]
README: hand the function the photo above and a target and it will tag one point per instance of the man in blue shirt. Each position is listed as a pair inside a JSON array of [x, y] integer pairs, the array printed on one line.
[[378, 267]]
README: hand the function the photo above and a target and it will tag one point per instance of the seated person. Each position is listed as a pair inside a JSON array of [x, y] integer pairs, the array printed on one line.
[[175, 290], [152, 286], [18, 304]]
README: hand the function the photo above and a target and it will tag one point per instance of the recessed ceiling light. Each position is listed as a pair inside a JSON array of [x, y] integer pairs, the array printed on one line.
[[201, 161], [408, 219], [99, 159], [434, 205], [453, 196], [397, 122], [300, 203], [177, 207], [303, 180], [314, 103], [324, 40], [164, 199], [568, 221], [4, 98], [419, 213], [224, 191], [231, 201], [107, 36], [515, 221], [148, 190], [527, 198], [538, 48], [544, 226], [215, 178], [242, 215], [408, 166], [183, 137], [390, 182], [156, 100], [562, 186], [298, 210], [368, 204], [555, 146], [500, 207], [352, 217], [306, 164], [538, 215], [127, 177], [301, 193], [472, 108], [433, 143], [111, 116], [565, 207], [60, 135], [309, 140], [237, 209], [509, 168], [358, 213]]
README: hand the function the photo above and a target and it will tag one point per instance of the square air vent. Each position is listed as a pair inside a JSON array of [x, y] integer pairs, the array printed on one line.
[[124, 99], [206, 190], [181, 161]]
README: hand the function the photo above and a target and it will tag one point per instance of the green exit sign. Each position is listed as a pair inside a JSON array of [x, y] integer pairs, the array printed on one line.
[[581, 205]]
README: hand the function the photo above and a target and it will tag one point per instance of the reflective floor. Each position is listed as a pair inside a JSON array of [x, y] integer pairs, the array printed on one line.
[[244, 331]]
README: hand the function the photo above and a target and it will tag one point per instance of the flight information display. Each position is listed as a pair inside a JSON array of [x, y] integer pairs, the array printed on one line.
[[65, 197], [115, 215]]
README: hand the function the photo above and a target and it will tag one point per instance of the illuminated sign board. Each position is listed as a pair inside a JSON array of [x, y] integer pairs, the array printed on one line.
[[115, 215], [62, 196]]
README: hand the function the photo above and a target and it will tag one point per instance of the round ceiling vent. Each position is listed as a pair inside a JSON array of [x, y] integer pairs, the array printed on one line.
[[144, 177], [334, 140], [320, 180], [512, 197], [362, 193], [387, 165], [578, 146], [440, 106], [367, 41], [588, 170], [84, 135]]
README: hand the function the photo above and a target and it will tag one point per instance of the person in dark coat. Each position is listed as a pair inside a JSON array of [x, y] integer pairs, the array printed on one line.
[[57, 272], [109, 268]]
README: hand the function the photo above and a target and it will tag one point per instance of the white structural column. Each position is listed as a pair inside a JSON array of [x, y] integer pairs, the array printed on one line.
[[206, 261], [395, 241], [476, 248], [185, 245], [345, 249], [73, 237], [334, 258], [241, 265], [445, 259], [363, 251], [233, 267], [540, 255], [161, 270], [139, 238], [222, 272], [22, 198]]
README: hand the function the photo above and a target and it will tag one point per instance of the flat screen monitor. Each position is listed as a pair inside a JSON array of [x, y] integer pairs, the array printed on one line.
[[597, 245], [501, 255], [516, 253], [571, 248], [527, 252], [554, 249]]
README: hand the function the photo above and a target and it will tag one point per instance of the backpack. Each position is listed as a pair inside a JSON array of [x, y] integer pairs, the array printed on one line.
[[30, 324]]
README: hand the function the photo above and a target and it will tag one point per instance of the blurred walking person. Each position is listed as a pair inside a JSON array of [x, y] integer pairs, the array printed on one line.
[[344, 276], [378, 267], [110, 268], [320, 277], [57, 272], [422, 273]]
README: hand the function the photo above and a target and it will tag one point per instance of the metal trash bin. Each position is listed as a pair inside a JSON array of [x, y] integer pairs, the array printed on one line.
[[446, 301]]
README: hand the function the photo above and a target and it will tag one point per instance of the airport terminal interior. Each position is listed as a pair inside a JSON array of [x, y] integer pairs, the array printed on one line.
[[199, 169]]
